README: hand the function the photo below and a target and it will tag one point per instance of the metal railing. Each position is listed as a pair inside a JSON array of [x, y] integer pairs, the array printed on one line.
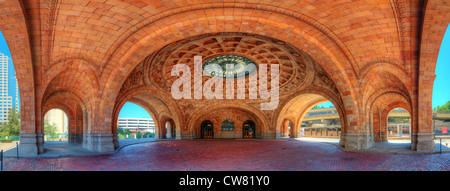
[[444, 144], [1, 160], [138, 136]]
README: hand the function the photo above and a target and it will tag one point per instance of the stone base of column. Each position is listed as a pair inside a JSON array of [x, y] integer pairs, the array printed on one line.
[[116, 141], [380, 137], [178, 136], [40, 142], [422, 141], [185, 136], [295, 135], [356, 141], [28, 145], [75, 138], [98, 142], [159, 136], [267, 135]]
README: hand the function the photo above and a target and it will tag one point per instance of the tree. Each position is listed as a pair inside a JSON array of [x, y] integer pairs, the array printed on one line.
[[49, 129], [123, 131], [445, 107], [12, 127]]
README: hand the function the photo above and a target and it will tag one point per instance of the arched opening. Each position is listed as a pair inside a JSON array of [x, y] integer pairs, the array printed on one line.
[[227, 122], [399, 125], [170, 129], [286, 128], [207, 130], [56, 125], [134, 122], [248, 129], [311, 115], [322, 120], [161, 119], [9, 95], [440, 99]]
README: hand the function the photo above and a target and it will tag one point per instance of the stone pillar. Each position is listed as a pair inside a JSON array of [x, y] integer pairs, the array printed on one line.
[[169, 130], [98, 142], [356, 141], [185, 136], [75, 138], [115, 140], [40, 142], [28, 145], [267, 135], [422, 141], [295, 135]]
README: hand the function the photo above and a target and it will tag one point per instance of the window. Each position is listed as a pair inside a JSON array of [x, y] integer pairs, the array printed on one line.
[[240, 64], [227, 125]]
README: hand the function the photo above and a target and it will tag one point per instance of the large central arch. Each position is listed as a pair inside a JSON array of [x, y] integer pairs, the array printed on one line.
[[135, 48]]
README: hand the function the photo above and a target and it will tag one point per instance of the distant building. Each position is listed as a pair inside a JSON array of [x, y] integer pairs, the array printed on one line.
[[137, 124], [58, 118], [5, 100], [16, 100], [326, 122]]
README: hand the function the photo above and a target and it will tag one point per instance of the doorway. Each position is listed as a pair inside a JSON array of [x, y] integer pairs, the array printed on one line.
[[248, 129], [207, 130]]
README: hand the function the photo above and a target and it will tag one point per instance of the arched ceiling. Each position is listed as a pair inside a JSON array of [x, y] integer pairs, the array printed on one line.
[[94, 29], [295, 67]]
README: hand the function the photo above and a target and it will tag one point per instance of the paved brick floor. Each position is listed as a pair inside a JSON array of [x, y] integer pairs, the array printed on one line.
[[235, 155]]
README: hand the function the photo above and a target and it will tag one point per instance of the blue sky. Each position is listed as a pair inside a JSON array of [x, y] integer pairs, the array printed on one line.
[[11, 77], [131, 110], [441, 90]]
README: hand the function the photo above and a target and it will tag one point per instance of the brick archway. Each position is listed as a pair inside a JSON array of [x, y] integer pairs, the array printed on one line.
[[297, 107], [147, 44], [102, 43], [160, 109], [238, 113]]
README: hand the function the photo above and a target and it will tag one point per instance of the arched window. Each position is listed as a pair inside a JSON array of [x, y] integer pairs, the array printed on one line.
[[227, 125], [56, 125]]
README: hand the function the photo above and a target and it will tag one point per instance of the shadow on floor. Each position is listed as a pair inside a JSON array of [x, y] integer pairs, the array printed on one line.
[[390, 147], [55, 149]]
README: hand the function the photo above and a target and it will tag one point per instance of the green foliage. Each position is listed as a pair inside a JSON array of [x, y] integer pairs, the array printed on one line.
[[138, 135], [122, 131], [317, 107], [50, 129], [445, 107], [5, 140], [12, 127]]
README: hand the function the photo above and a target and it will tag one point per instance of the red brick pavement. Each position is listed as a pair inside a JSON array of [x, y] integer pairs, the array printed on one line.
[[235, 155]]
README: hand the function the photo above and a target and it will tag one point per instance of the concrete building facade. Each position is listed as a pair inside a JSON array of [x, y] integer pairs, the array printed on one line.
[[59, 119], [5, 99], [137, 124]]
